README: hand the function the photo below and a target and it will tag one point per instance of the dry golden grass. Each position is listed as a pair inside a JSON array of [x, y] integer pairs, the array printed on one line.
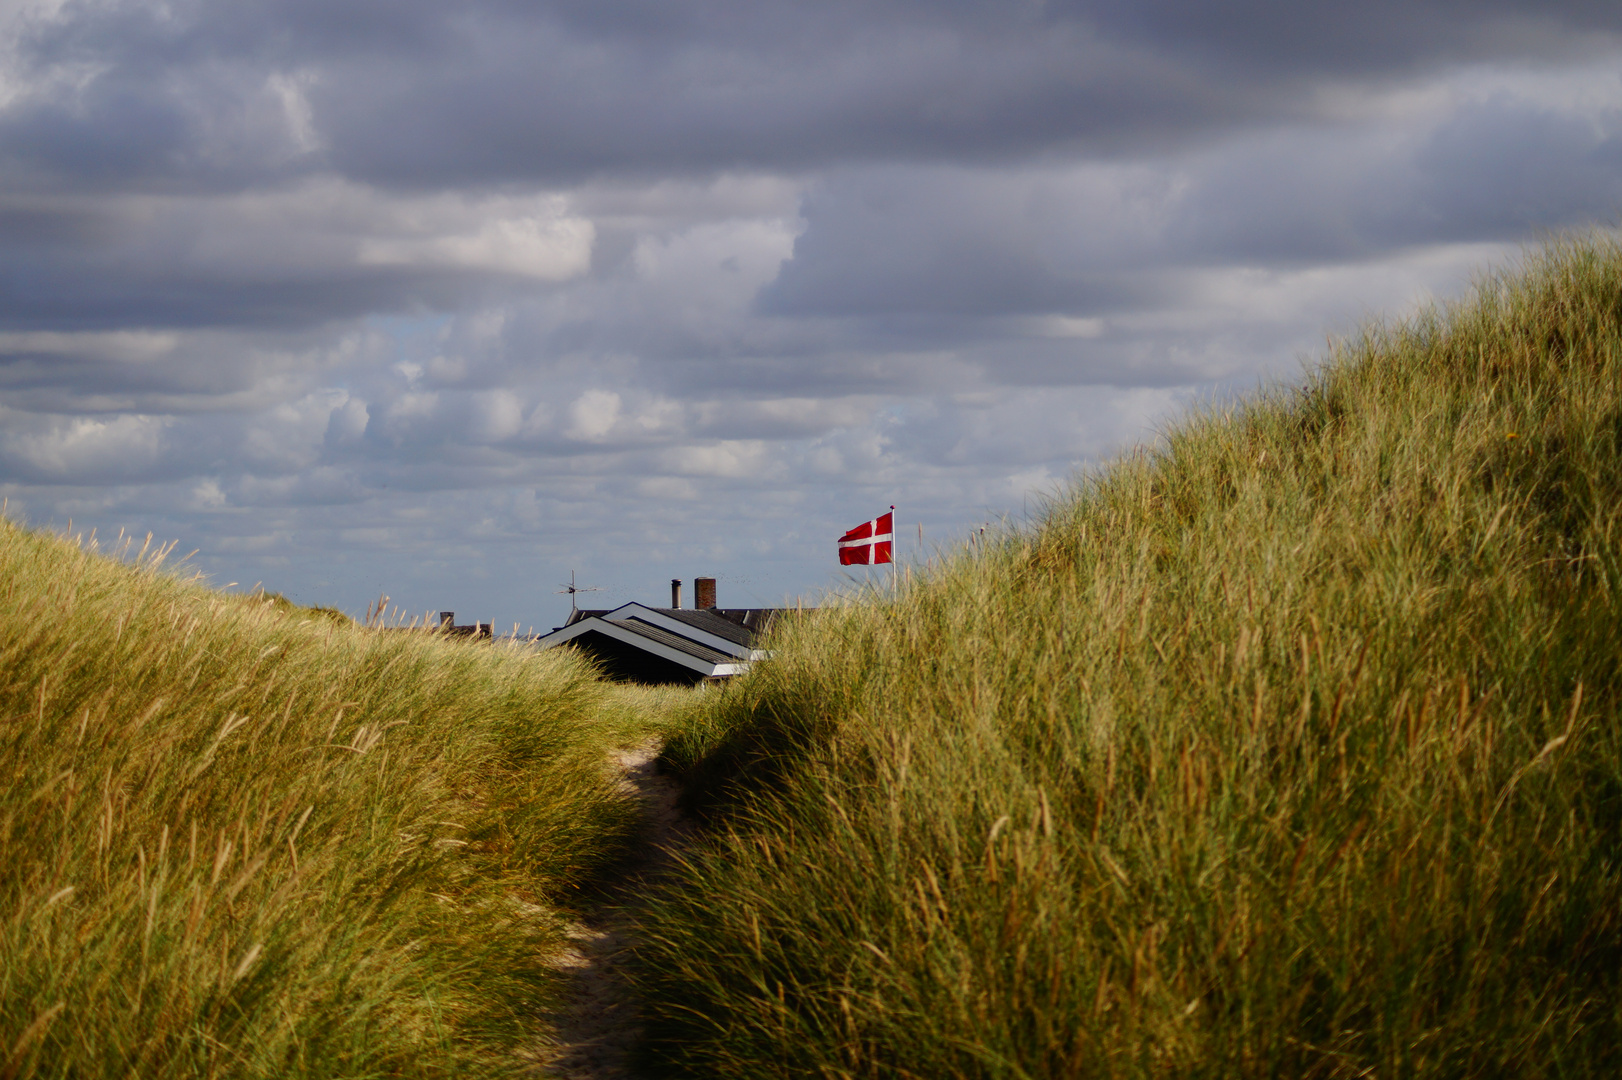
[[1288, 747], [242, 839]]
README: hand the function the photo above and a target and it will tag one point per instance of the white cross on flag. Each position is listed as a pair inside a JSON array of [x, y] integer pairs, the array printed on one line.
[[869, 542]]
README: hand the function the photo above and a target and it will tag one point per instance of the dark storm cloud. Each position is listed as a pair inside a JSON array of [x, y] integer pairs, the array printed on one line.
[[286, 258], [1499, 168], [953, 242], [88, 296], [1287, 36], [947, 245], [172, 373], [547, 107], [159, 117], [195, 96]]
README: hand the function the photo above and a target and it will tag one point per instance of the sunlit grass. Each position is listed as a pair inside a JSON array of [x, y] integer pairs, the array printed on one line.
[[244, 839], [1288, 747]]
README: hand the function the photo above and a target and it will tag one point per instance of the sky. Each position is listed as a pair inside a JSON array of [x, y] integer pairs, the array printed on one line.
[[446, 302]]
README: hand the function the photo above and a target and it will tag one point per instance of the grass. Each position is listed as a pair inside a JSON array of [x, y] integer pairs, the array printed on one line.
[[250, 840], [1286, 747]]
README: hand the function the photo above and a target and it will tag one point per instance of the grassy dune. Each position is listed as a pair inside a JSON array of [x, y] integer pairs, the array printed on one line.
[[243, 840], [1286, 748]]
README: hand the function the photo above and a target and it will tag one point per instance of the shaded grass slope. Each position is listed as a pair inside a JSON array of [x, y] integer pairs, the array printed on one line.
[[1287, 747], [241, 839]]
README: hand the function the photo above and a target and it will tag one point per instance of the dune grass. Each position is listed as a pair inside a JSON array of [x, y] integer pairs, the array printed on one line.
[[1287, 747], [242, 839]]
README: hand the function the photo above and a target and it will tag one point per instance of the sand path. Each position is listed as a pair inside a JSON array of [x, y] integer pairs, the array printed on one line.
[[595, 1032]]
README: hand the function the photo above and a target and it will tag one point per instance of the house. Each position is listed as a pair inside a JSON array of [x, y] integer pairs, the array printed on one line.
[[448, 627], [638, 643]]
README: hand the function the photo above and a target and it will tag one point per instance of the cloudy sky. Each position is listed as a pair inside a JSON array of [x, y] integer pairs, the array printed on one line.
[[443, 300]]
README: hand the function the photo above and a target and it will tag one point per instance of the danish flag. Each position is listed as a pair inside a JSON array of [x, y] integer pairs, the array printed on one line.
[[869, 542]]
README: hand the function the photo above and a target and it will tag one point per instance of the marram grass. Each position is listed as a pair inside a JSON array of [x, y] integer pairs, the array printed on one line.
[[1288, 748], [241, 841]]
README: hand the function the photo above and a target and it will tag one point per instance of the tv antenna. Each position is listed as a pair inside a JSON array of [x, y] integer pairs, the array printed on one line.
[[572, 588]]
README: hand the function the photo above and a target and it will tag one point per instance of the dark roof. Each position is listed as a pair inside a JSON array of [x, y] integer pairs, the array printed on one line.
[[691, 648], [638, 659], [713, 622], [738, 625], [680, 645]]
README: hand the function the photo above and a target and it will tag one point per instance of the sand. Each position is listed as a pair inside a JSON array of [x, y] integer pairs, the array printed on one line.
[[593, 1035]]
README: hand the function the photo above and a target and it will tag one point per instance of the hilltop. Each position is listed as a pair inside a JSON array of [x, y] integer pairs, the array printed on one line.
[[247, 839], [1286, 746]]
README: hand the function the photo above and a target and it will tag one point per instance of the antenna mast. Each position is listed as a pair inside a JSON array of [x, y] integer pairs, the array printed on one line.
[[572, 589]]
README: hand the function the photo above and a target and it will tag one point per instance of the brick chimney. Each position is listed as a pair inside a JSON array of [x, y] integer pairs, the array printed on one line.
[[703, 593], [675, 592], [447, 619]]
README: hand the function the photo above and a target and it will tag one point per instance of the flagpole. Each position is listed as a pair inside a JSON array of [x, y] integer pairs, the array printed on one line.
[[863, 545]]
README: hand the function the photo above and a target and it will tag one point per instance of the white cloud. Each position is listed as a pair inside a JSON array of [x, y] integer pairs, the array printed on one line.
[[498, 415], [77, 449], [208, 495], [346, 423], [291, 435], [545, 248], [1065, 326], [667, 487], [733, 458], [126, 345], [593, 415], [292, 92]]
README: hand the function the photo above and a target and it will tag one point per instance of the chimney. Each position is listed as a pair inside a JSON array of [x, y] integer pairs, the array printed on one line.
[[446, 619], [703, 593], [675, 592]]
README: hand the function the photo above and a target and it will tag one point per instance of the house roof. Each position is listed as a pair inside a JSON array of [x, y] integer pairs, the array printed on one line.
[[703, 643], [713, 622], [741, 624], [675, 641]]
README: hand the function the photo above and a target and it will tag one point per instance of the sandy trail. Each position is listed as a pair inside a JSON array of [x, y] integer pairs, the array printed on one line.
[[594, 1033]]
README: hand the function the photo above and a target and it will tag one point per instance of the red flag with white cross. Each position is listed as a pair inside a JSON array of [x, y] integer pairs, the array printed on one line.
[[868, 543]]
